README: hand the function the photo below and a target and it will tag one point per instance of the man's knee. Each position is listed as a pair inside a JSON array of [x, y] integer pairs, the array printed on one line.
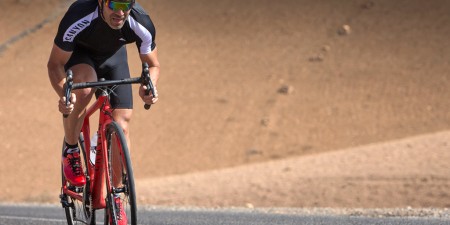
[[123, 118], [84, 73]]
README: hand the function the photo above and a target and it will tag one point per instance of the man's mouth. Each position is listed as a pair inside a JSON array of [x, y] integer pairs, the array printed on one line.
[[117, 19]]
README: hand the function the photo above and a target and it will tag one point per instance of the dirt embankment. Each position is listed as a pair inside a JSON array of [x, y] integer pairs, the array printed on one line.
[[269, 103]]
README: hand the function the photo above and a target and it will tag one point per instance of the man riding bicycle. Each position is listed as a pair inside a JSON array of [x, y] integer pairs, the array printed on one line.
[[91, 41]]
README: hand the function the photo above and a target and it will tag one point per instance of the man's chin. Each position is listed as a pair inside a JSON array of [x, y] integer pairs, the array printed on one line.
[[118, 27], [115, 25]]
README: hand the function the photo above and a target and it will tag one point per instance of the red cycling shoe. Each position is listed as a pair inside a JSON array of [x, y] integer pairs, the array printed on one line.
[[120, 212], [73, 170]]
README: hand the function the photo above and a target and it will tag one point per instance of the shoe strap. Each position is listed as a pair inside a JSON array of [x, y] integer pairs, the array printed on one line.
[[72, 150]]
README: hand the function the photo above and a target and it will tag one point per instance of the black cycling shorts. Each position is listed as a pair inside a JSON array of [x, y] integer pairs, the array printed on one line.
[[113, 67]]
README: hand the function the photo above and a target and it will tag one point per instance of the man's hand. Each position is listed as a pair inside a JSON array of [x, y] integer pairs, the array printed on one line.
[[148, 99], [67, 109]]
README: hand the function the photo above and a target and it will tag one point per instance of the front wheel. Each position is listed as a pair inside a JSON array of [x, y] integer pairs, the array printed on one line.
[[119, 179]]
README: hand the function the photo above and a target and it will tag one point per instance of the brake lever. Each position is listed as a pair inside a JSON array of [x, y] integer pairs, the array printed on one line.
[[147, 82], [68, 88]]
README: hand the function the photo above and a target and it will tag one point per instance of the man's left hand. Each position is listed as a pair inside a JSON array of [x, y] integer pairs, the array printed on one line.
[[148, 99]]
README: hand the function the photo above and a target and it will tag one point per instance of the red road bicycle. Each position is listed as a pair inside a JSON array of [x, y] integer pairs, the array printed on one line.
[[81, 203]]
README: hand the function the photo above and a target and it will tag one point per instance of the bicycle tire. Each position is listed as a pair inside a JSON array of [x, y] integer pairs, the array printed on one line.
[[126, 191], [67, 203], [78, 212]]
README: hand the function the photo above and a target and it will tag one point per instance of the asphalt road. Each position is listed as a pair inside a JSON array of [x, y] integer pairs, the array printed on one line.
[[52, 215]]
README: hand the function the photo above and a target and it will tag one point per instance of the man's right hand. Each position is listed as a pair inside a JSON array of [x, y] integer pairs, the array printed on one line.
[[67, 109]]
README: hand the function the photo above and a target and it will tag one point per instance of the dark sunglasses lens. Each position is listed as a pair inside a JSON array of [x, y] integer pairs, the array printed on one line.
[[116, 6]]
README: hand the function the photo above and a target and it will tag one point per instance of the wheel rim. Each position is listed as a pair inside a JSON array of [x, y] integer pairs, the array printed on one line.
[[125, 174]]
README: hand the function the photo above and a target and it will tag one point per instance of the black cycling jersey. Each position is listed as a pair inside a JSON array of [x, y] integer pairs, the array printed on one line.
[[82, 26]]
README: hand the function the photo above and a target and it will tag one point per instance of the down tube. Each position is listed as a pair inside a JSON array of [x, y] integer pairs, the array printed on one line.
[[101, 165], [98, 184]]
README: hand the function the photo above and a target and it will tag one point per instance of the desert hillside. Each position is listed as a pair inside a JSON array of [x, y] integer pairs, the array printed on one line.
[[274, 103]]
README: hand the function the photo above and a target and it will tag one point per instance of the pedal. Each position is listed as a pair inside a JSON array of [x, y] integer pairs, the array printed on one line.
[[76, 189], [64, 201], [119, 190]]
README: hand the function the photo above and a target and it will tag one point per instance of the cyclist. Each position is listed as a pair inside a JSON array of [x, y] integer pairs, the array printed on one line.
[[91, 41]]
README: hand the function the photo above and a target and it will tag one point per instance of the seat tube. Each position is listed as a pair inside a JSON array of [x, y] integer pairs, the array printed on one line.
[[86, 130]]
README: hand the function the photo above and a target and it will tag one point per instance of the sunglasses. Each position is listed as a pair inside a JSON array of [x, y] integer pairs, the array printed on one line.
[[116, 6]]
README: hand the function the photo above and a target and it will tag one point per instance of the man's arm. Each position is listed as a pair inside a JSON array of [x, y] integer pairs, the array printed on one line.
[[57, 75], [55, 66], [153, 63]]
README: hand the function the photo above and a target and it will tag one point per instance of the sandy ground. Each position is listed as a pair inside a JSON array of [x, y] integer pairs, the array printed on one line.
[[288, 103]]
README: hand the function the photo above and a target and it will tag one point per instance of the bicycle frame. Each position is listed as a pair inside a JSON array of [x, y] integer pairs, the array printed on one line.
[[96, 173], [84, 201]]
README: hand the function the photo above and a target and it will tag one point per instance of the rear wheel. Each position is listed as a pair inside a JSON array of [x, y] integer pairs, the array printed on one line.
[[120, 180], [78, 212]]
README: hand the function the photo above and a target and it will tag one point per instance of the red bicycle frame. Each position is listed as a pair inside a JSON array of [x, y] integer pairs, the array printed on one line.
[[96, 172], [99, 172]]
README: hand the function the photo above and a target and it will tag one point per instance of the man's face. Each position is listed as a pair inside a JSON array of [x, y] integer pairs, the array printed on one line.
[[116, 12]]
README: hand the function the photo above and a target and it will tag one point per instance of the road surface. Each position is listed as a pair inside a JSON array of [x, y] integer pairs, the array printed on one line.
[[53, 214]]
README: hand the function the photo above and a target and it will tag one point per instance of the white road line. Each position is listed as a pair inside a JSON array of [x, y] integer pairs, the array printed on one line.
[[31, 218], [36, 219]]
